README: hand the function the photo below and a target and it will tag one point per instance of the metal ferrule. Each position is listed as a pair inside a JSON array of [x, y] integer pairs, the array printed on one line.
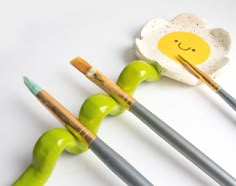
[[110, 87], [199, 74]]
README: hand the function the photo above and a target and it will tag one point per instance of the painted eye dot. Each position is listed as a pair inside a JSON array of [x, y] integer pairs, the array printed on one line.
[[176, 40], [193, 50]]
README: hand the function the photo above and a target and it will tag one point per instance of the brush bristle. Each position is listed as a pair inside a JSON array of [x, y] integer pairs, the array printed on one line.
[[82, 65], [33, 87], [181, 59]]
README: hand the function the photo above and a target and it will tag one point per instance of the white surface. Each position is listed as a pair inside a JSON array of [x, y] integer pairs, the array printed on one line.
[[39, 38]]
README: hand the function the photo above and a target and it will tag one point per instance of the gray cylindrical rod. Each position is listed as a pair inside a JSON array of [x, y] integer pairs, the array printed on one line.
[[227, 97], [182, 145], [118, 164]]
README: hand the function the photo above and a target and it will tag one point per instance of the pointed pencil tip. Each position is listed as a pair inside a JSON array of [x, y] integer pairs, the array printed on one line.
[[33, 87]]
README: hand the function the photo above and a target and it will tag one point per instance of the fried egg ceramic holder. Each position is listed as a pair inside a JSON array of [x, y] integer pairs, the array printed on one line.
[[189, 36]]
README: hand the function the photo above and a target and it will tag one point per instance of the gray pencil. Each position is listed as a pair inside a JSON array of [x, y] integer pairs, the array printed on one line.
[[156, 124]]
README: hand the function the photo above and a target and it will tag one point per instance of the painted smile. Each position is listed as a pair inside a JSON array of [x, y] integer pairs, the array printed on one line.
[[183, 48]]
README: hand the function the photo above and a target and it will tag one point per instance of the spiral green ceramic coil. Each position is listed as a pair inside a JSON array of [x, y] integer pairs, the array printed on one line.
[[52, 143], [45, 154]]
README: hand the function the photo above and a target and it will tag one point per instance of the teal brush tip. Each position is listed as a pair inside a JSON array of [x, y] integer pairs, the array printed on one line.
[[33, 87]]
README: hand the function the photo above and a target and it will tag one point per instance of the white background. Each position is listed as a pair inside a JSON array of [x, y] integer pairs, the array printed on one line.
[[39, 38]]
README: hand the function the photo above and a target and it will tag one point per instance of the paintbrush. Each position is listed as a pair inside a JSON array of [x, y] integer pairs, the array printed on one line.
[[155, 123], [208, 81], [111, 158]]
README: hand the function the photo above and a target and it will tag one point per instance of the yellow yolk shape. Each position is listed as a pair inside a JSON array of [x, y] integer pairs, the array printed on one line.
[[186, 44]]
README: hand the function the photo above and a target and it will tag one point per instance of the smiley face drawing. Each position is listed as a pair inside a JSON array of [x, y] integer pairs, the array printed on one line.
[[186, 44], [187, 35]]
